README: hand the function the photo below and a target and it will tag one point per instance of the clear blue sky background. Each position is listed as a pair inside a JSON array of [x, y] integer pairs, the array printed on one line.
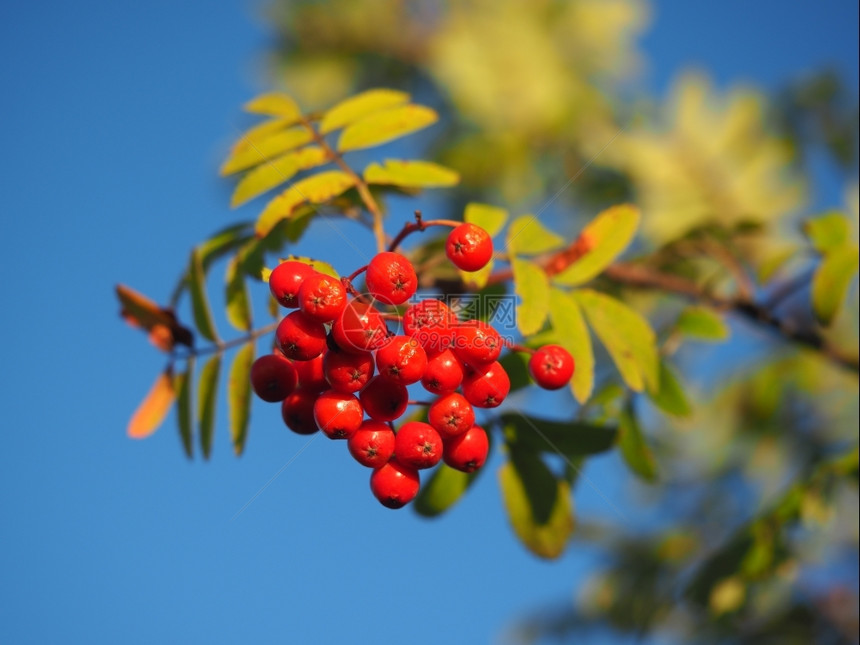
[[114, 116]]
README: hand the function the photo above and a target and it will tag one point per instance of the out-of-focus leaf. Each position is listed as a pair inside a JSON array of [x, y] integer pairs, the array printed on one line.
[[239, 396], [831, 281], [442, 491], [516, 369], [410, 174], [359, 106], [627, 337], [490, 218], [207, 397], [634, 449], [531, 284], [539, 506], [527, 236], [315, 189], [828, 231], [265, 149], [154, 407], [183, 384], [238, 301], [385, 125], [199, 300], [727, 596], [276, 172], [571, 439], [606, 237], [771, 264], [670, 398], [159, 323], [275, 104], [702, 323], [572, 334]]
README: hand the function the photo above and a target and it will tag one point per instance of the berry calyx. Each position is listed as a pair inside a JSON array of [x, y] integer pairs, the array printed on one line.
[[359, 328], [467, 452], [273, 377], [394, 484], [384, 400], [451, 415], [444, 373], [391, 278], [322, 297], [402, 360], [286, 279], [348, 372], [551, 367], [297, 411], [372, 445], [417, 445], [338, 414], [486, 387], [469, 247], [299, 337]]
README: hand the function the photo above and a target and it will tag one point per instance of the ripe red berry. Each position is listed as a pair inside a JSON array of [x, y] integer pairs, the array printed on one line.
[[469, 247], [273, 377], [285, 281], [297, 411], [444, 373], [348, 372], [451, 415], [431, 323], [373, 444], [394, 484], [359, 328], [391, 278], [417, 445], [384, 400], [551, 367], [486, 387], [476, 343], [338, 414], [322, 297], [468, 451], [299, 337], [402, 360], [310, 374]]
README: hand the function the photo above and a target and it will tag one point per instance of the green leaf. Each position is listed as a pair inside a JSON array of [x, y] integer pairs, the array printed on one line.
[[386, 125], [239, 396], [670, 398], [572, 334], [275, 104], [531, 284], [606, 237], [572, 439], [265, 149], [184, 411], [442, 491], [410, 174], [490, 218], [627, 337], [633, 448], [315, 189], [777, 259], [275, 172], [359, 106], [238, 300], [828, 231], [702, 323], [515, 365], [207, 397], [527, 236], [832, 280], [539, 506], [199, 299]]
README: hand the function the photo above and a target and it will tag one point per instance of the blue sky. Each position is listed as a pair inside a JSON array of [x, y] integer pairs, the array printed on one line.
[[114, 119]]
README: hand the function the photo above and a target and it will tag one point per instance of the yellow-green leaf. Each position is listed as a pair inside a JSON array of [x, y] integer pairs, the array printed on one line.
[[359, 106], [828, 231], [627, 337], [572, 439], [531, 284], [275, 104], [572, 334], [670, 398], [199, 300], [527, 236], [775, 261], [257, 133], [207, 397], [318, 265], [263, 149], [386, 125], [442, 491], [634, 449], [410, 174], [727, 596], [184, 411], [490, 218], [606, 237], [154, 407], [831, 281], [315, 189], [239, 396], [702, 323], [238, 301], [276, 172]]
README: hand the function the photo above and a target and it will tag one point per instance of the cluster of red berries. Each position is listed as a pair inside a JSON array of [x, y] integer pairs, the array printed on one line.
[[337, 367]]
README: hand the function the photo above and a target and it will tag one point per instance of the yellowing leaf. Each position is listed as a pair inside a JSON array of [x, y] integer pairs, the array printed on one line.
[[276, 172], [258, 133], [253, 153], [184, 411], [238, 301], [442, 491], [727, 595], [627, 337], [154, 407], [831, 281], [207, 397], [606, 237], [386, 125], [159, 322], [199, 300], [527, 236], [275, 104], [239, 396], [490, 218], [359, 106], [531, 284], [410, 174], [572, 334], [828, 231], [634, 449], [775, 261], [702, 323], [315, 189]]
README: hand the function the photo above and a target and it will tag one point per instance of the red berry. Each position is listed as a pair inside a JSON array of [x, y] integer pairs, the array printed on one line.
[[384, 400], [348, 372], [359, 328], [444, 373], [451, 415], [468, 451], [373, 444], [310, 374], [477, 343], [299, 337], [469, 247], [486, 387], [391, 278], [431, 323], [402, 360], [418, 445], [338, 414], [273, 377], [297, 411], [322, 297], [551, 367], [394, 484], [285, 280]]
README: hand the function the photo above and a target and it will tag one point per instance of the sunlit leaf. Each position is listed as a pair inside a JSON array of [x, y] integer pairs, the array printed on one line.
[[276, 172], [531, 284], [183, 384], [606, 237], [238, 300], [359, 106], [257, 133], [774, 262], [275, 104], [207, 397], [386, 125], [154, 407], [239, 396], [315, 189], [318, 265], [727, 595], [571, 438], [442, 491], [702, 323], [264, 149], [828, 231], [527, 236], [572, 334], [831, 281], [199, 300], [634, 449], [410, 174], [490, 218], [670, 398], [160, 323]]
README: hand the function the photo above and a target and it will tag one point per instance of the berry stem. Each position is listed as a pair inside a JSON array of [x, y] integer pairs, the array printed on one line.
[[419, 225], [514, 347], [427, 403]]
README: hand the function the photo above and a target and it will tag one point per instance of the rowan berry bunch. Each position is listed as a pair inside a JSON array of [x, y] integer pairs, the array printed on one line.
[[338, 368]]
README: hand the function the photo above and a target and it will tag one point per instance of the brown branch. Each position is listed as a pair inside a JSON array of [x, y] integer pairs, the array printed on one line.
[[217, 348]]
